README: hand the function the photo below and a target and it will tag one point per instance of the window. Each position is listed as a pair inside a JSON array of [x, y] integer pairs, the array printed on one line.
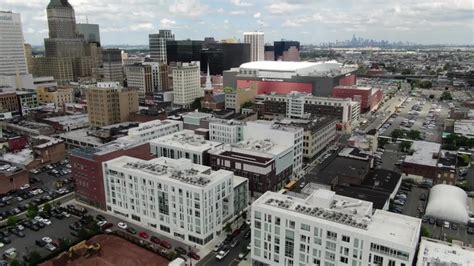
[[305, 227], [391, 263], [346, 239], [331, 235], [330, 245], [344, 260]]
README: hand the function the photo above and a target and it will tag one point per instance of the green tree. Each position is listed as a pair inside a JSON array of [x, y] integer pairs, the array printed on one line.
[[84, 234], [407, 72], [425, 231], [14, 262], [397, 133], [463, 160], [32, 211], [248, 104], [405, 146], [446, 96], [382, 142], [64, 243], [244, 215], [34, 258], [414, 134], [12, 220], [228, 228], [47, 207], [196, 104]]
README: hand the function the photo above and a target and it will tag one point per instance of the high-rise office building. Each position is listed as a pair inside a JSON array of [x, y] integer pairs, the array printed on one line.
[[29, 57], [13, 67], [256, 40], [68, 56], [327, 229], [155, 75], [90, 32], [269, 53], [224, 56], [112, 65], [287, 50], [186, 84], [184, 51], [157, 44], [109, 103], [139, 76]]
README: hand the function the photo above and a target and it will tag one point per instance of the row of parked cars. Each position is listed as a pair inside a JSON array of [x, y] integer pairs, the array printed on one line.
[[401, 197]]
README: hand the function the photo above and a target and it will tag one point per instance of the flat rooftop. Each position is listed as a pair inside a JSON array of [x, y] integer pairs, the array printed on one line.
[[187, 140], [347, 213], [436, 252], [47, 141], [70, 119], [182, 169], [196, 115], [313, 124], [425, 153], [81, 135], [341, 167], [464, 127]]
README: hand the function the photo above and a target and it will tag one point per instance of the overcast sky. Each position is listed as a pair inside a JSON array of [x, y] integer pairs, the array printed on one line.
[[308, 21]]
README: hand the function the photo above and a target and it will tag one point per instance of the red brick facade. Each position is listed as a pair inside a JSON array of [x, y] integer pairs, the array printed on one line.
[[88, 176]]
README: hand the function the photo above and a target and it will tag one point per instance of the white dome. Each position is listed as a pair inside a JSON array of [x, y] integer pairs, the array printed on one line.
[[448, 203]]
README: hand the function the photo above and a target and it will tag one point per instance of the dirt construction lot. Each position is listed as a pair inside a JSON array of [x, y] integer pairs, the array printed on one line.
[[114, 251]]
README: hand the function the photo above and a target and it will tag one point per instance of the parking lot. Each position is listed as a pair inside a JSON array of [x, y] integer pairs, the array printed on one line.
[[19, 201], [416, 207], [24, 245]]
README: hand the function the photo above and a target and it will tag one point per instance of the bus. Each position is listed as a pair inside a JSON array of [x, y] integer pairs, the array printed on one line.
[[290, 185]]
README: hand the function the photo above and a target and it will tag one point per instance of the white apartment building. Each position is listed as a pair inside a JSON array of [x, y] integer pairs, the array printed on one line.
[[328, 229], [185, 201], [261, 130], [148, 131], [257, 45], [13, 67], [437, 252], [186, 84], [157, 44], [183, 144], [226, 131]]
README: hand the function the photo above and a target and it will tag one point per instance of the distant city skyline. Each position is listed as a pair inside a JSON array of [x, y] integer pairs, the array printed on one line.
[[310, 22]]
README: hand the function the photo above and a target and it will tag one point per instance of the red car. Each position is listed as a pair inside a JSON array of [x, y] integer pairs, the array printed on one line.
[[155, 240], [236, 232], [194, 256], [107, 226], [165, 244], [143, 235]]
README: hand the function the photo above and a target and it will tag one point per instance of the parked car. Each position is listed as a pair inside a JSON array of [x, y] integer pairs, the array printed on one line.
[[165, 244], [40, 243], [131, 230], [180, 250], [155, 240], [194, 256], [122, 225], [100, 217], [143, 235], [50, 247], [234, 243]]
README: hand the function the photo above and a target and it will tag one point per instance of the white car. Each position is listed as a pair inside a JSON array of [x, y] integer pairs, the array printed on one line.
[[222, 254], [101, 223], [122, 225], [50, 247], [66, 214], [25, 186], [46, 221], [20, 227], [38, 218], [47, 239]]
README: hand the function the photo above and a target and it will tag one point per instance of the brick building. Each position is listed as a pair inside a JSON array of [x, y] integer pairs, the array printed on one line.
[[12, 176], [368, 97], [87, 168], [48, 150]]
